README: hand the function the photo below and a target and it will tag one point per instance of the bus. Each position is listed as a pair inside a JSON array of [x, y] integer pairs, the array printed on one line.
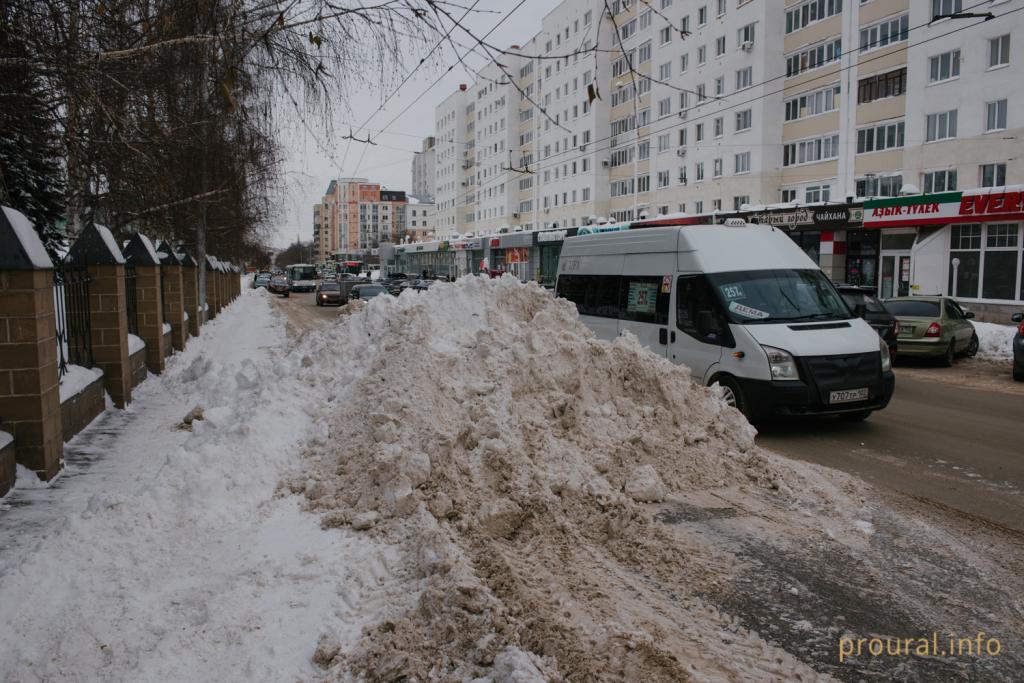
[[301, 276], [353, 267]]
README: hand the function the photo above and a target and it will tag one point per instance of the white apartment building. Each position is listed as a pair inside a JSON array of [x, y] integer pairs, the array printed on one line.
[[424, 170], [453, 161], [491, 198], [421, 220]]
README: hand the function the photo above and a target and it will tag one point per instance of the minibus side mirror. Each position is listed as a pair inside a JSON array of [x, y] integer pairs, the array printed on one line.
[[968, 314], [860, 310], [1017, 317]]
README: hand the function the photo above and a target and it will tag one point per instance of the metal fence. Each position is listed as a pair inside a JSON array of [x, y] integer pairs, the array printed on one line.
[[131, 300], [71, 306]]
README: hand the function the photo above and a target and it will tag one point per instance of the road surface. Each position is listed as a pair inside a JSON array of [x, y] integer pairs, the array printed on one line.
[[939, 442]]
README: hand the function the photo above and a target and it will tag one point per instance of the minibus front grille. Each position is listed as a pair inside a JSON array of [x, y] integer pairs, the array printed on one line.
[[842, 372], [826, 326]]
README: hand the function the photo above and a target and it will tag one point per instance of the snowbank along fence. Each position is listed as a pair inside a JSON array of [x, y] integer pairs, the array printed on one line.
[[92, 324]]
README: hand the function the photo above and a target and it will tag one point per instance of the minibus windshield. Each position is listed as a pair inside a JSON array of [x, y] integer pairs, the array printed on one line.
[[773, 296]]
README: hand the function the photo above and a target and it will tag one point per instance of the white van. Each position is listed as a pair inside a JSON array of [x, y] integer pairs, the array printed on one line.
[[740, 305]]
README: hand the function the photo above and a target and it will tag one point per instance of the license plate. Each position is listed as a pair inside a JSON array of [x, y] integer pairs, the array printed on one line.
[[848, 395], [906, 331]]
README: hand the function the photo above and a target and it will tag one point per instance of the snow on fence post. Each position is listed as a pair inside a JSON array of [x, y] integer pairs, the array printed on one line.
[[97, 250], [211, 288], [150, 306], [29, 380], [190, 293], [173, 293]]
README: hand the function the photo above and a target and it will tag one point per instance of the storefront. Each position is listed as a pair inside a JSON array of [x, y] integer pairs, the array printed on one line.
[[468, 254], [547, 250], [963, 244], [433, 259], [511, 253]]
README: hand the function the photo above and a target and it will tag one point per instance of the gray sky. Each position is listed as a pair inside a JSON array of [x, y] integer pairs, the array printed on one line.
[[309, 168]]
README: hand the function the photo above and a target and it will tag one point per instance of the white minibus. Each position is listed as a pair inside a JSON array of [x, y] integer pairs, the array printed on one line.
[[741, 305]]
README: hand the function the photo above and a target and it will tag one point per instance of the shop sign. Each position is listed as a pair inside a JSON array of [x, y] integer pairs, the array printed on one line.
[[472, 244], [517, 255], [555, 235], [443, 246], [495, 242], [911, 211], [1002, 205], [595, 229], [826, 218], [783, 218]]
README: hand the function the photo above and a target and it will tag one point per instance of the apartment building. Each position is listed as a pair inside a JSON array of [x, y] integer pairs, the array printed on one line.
[[355, 216], [490, 200], [424, 170], [421, 220], [454, 160]]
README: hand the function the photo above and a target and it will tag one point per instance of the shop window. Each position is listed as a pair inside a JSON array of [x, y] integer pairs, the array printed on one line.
[[988, 260], [999, 276]]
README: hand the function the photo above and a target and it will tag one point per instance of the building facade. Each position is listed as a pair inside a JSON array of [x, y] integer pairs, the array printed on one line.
[[424, 170], [356, 216], [421, 220]]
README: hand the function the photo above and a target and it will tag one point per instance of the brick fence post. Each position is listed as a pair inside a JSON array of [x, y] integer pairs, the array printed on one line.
[[211, 288], [29, 379], [174, 302], [150, 306], [96, 249], [190, 293]]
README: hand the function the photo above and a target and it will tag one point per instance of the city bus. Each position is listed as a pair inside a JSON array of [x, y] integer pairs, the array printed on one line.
[[302, 277]]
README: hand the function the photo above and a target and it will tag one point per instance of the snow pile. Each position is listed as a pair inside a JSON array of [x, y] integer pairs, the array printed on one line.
[[507, 448], [76, 379], [135, 344], [995, 342]]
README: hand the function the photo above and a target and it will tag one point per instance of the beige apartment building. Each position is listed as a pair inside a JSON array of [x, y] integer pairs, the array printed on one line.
[[355, 217]]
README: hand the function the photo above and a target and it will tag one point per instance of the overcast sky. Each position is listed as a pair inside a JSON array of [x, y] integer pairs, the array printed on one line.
[[309, 168]]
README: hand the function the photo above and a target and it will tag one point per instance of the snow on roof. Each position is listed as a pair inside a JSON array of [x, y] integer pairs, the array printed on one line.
[[149, 247], [29, 238], [76, 379], [108, 239], [5, 439]]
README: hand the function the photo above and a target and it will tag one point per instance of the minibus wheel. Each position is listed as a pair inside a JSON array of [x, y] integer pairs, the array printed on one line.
[[731, 392]]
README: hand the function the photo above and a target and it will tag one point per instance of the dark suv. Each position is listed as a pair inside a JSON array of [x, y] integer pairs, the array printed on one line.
[[864, 304]]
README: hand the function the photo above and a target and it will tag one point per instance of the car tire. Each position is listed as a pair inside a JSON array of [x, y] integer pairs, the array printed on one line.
[[858, 416], [733, 395], [972, 346], [287, 294], [949, 357], [1018, 373]]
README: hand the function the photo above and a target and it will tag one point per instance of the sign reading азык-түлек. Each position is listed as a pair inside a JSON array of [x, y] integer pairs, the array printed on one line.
[[917, 210]]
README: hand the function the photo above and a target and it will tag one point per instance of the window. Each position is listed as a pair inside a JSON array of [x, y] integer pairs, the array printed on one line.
[[586, 17], [702, 55], [739, 201], [684, 25], [943, 67], [886, 33], [946, 7], [939, 181], [698, 173], [702, 16], [684, 63], [586, 194], [663, 179], [811, 12], [645, 19], [699, 132], [719, 124], [999, 51], [813, 57], [665, 71], [810, 151], [627, 29], [993, 175], [698, 206], [643, 183], [682, 137], [721, 8], [664, 142], [702, 92], [817, 193], [744, 120], [720, 46], [789, 195], [665, 3], [877, 138], [940, 126], [881, 186], [720, 86], [745, 35], [665, 35], [745, 78], [716, 204], [717, 168], [987, 260], [890, 84], [644, 52], [664, 107], [995, 115], [629, 297], [743, 162], [813, 103]]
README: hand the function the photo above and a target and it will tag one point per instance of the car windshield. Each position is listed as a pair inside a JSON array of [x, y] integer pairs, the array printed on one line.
[[330, 287], [367, 292], [870, 303], [770, 296], [913, 309]]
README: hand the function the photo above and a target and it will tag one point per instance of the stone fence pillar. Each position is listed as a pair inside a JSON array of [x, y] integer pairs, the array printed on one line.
[[150, 307], [174, 302], [29, 379], [211, 288], [96, 249], [190, 293]]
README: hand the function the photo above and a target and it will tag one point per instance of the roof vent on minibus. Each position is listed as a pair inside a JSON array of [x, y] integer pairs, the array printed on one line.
[[735, 223]]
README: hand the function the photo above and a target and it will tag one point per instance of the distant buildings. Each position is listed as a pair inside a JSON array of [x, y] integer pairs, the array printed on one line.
[[355, 216], [424, 164]]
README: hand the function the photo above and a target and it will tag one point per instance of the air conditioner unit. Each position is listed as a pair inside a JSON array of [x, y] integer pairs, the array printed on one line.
[[547, 210], [681, 151], [605, 162], [515, 215], [583, 148], [683, 113], [747, 45]]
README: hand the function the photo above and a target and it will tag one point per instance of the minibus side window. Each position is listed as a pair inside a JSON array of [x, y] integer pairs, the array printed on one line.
[[641, 300], [595, 295], [698, 312]]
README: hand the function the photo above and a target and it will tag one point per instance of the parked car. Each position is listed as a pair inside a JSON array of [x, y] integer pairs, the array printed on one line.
[[933, 327], [367, 291], [1018, 347], [261, 280], [864, 304], [279, 285], [329, 292]]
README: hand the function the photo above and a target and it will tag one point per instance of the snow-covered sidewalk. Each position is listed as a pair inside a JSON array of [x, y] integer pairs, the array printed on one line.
[[168, 554]]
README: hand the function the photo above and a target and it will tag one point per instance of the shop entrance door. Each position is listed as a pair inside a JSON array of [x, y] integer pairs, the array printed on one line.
[[895, 279]]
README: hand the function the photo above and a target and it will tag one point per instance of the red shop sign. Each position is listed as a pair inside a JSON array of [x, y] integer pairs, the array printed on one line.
[[1003, 205]]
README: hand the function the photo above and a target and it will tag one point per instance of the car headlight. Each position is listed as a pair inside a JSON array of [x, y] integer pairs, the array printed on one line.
[[883, 348], [781, 363]]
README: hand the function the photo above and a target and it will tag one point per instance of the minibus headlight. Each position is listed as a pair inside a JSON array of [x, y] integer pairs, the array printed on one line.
[[886, 358], [781, 364]]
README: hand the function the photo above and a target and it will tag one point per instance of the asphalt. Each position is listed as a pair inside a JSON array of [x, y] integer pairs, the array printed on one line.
[[954, 447]]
